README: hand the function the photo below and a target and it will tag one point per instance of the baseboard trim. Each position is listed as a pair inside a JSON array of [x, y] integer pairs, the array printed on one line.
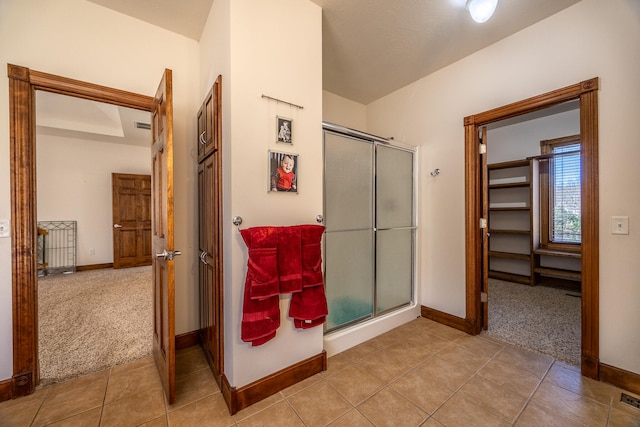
[[243, 397], [620, 378], [187, 340], [464, 325], [6, 390], [93, 266]]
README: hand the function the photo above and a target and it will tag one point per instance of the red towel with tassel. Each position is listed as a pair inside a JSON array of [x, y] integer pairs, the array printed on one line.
[[308, 308], [261, 303]]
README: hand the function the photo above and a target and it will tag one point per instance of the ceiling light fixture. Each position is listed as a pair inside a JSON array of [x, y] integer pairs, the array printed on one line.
[[481, 10]]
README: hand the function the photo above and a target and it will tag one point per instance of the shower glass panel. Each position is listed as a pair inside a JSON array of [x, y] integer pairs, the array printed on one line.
[[394, 225], [349, 238], [370, 232]]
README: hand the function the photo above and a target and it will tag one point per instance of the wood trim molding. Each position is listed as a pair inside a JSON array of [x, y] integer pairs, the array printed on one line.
[[23, 83], [89, 267], [6, 390], [187, 340], [243, 397], [464, 325], [620, 378], [587, 92]]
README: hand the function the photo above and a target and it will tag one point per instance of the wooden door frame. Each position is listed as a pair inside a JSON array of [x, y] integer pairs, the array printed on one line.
[[587, 93], [23, 83]]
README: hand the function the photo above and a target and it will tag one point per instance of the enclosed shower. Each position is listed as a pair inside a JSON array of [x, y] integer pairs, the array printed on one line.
[[369, 246]]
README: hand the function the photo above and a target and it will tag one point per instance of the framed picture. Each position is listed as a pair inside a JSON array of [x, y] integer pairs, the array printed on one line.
[[284, 129], [283, 172]]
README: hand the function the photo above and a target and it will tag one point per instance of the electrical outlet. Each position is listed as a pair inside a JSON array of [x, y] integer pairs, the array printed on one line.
[[630, 400], [5, 228]]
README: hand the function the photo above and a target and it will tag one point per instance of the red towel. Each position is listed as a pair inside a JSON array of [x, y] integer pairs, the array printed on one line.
[[308, 308], [261, 303], [290, 259]]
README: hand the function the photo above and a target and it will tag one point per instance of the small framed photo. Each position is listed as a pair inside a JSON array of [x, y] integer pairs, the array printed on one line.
[[283, 172], [284, 129]]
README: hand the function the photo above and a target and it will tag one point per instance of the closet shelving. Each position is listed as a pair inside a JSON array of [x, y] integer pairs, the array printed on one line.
[[511, 221]]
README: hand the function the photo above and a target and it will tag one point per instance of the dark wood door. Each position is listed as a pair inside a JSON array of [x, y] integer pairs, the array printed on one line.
[[131, 202], [163, 238], [209, 121], [210, 234]]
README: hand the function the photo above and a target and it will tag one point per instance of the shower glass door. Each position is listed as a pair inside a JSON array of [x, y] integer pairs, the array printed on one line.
[[369, 228], [349, 239]]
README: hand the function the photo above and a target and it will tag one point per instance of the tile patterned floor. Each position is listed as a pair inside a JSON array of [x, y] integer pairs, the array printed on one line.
[[420, 374]]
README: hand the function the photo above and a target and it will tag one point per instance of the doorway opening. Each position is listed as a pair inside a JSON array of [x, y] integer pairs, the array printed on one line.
[[476, 232], [97, 317], [24, 84]]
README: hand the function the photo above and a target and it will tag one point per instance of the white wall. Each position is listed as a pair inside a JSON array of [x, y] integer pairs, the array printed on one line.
[[274, 48], [344, 112], [81, 40], [590, 39], [74, 184]]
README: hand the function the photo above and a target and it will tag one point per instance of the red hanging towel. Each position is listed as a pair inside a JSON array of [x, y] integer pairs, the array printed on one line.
[[290, 259], [308, 308], [261, 303]]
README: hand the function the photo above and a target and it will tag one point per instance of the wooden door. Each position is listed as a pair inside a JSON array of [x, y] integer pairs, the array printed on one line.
[[163, 238], [131, 206], [484, 179]]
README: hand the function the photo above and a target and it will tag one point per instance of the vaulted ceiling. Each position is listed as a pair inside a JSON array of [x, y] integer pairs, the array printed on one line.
[[374, 47]]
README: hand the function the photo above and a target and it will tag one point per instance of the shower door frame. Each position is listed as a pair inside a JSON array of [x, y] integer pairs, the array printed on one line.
[[377, 141]]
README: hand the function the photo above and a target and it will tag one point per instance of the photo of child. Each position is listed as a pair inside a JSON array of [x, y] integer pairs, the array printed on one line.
[[284, 127], [283, 169]]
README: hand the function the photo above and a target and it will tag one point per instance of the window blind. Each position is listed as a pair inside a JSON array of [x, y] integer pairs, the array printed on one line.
[[566, 200]]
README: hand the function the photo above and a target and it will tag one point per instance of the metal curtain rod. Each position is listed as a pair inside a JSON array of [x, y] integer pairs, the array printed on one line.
[[284, 102]]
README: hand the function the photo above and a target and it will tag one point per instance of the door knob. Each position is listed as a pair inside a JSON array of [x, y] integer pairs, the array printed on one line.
[[117, 226]]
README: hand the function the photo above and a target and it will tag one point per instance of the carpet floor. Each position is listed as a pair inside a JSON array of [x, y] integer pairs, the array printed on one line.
[[93, 320], [537, 318]]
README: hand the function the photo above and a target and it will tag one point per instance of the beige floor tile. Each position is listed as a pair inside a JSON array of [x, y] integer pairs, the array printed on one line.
[[616, 394], [353, 418], [554, 399], [72, 397], [133, 380], [298, 387], [431, 422], [90, 418], [526, 360], [477, 344], [156, 422], [385, 365], [190, 360], [564, 376], [21, 412], [522, 381], [210, 411], [355, 384], [428, 341], [450, 374], [388, 408], [618, 418], [134, 409], [500, 399], [442, 331], [335, 364], [278, 415], [143, 361], [422, 390], [462, 356], [360, 351], [193, 387], [319, 404], [462, 412], [257, 407], [535, 415]]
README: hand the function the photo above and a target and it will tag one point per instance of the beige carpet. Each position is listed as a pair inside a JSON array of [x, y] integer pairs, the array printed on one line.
[[538, 318], [93, 320]]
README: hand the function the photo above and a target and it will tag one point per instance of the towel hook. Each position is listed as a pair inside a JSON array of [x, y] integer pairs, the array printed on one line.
[[237, 220], [435, 172]]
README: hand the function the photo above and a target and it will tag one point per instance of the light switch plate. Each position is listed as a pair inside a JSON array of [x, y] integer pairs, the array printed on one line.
[[5, 228], [619, 225]]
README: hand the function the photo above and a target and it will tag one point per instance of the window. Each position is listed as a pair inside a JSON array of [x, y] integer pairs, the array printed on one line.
[[560, 198]]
